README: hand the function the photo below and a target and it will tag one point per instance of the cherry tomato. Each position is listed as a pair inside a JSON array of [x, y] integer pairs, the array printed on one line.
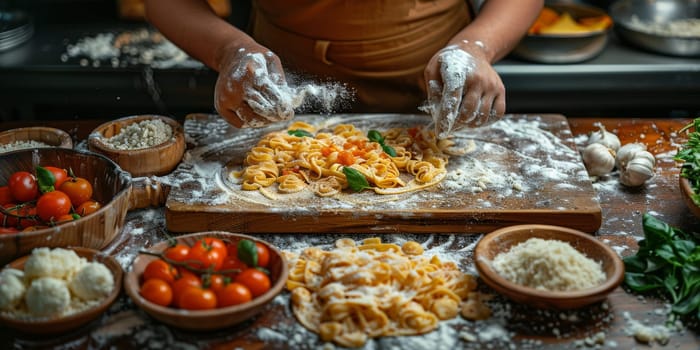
[[263, 254], [196, 298], [34, 228], [61, 175], [64, 218], [218, 245], [23, 186], [214, 282], [88, 207], [178, 252], [204, 256], [256, 280], [52, 205], [233, 294], [157, 291], [8, 230], [78, 190], [5, 195], [9, 220], [185, 281], [28, 213], [159, 269], [232, 263]]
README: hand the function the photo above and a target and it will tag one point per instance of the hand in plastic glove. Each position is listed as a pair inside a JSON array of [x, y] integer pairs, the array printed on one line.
[[251, 90], [463, 89]]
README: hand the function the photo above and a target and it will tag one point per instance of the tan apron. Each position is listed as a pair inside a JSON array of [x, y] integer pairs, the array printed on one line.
[[380, 48]]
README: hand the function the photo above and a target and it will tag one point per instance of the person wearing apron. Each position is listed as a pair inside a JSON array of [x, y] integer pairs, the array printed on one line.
[[396, 55]]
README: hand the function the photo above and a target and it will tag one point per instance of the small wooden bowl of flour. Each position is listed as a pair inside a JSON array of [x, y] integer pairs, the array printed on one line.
[[143, 145], [547, 266], [33, 137]]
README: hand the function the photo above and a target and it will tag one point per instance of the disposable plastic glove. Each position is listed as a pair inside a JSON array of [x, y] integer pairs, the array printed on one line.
[[251, 90], [463, 89]]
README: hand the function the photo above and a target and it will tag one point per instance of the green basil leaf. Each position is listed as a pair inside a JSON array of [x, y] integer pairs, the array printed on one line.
[[684, 248], [635, 263], [666, 252], [356, 180], [656, 232], [389, 150], [690, 303], [247, 252], [375, 136], [45, 179], [640, 282], [300, 133]]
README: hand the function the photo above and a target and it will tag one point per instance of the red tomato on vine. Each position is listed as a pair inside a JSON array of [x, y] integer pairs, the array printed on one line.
[[78, 190], [23, 186], [61, 175], [52, 205]]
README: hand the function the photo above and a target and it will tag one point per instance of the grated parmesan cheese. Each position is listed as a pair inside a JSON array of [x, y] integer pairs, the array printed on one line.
[[144, 134], [18, 145], [548, 265]]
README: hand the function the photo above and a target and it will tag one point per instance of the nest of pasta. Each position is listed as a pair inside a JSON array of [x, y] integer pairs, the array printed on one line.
[[328, 162]]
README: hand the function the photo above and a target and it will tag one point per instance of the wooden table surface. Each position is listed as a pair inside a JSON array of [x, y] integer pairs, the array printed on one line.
[[123, 326]]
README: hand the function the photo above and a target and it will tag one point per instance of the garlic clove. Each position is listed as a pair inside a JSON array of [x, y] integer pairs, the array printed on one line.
[[627, 152], [604, 138], [598, 159]]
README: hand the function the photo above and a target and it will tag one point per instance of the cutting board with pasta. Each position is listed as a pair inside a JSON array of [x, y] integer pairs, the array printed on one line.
[[523, 169]]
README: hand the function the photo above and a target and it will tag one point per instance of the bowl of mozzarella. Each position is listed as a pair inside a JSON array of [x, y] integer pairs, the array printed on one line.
[[53, 291]]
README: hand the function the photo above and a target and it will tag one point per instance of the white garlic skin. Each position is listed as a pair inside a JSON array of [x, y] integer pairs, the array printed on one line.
[[639, 168], [627, 152], [599, 159], [604, 138]]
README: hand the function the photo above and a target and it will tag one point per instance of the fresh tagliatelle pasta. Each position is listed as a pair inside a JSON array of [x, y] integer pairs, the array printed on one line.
[[354, 292], [327, 162]]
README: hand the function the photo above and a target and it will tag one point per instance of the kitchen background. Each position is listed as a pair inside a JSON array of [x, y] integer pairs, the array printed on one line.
[[91, 59]]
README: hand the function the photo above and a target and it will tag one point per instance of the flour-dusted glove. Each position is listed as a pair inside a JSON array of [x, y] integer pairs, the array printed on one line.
[[463, 89], [251, 90]]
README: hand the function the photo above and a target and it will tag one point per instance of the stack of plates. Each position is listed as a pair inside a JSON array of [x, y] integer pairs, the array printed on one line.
[[15, 29]]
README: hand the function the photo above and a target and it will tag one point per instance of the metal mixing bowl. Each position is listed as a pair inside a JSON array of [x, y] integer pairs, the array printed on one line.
[[564, 48], [630, 16]]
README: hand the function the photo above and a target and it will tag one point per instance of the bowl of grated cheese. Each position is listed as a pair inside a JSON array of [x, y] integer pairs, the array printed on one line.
[[547, 266], [143, 145], [33, 137]]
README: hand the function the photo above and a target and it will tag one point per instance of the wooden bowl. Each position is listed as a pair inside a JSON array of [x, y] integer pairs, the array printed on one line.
[[50, 136], [63, 324], [157, 160], [503, 239], [111, 187], [206, 319], [688, 193]]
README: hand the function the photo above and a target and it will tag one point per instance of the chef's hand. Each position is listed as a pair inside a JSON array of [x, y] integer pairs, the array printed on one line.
[[463, 89], [251, 90]]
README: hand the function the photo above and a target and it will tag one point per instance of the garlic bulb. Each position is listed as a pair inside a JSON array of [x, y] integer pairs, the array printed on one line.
[[627, 152], [604, 138], [599, 159], [636, 165]]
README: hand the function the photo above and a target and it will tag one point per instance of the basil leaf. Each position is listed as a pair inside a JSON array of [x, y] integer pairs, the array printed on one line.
[[300, 133], [356, 180], [45, 179], [389, 150], [635, 264], [640, 282], [247, 252], [375, 136], [690, 303]]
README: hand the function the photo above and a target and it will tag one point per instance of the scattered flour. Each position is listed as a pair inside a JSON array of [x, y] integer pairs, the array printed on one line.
[[128, 48]]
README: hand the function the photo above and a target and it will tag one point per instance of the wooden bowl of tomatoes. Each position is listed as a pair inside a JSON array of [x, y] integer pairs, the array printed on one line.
[[57, 197], [207, 280]]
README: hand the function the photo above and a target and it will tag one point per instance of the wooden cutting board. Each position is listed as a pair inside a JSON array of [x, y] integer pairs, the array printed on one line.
[[523, 169]]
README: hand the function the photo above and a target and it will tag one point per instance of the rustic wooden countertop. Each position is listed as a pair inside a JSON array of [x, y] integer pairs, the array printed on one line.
[[124, 326]]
